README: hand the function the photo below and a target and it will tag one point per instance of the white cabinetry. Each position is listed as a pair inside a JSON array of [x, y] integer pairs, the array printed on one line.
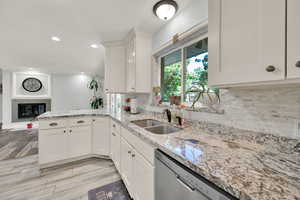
[[101, 136], [246, 41], [127, 164], [115, 145], [79, 141], [138, 62], [143, 177], [72, 138], [136, 170], [115, 68], [53, 145], [293, 41]]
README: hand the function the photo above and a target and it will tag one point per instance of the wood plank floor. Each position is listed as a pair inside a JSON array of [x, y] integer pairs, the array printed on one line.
[[21, 179]]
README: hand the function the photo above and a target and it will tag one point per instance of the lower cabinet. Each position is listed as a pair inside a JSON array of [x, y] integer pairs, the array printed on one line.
[[116, 149], [72, 138], [137, 172], [80, 141], [143, 177], [101, 136], [53, 145], [126, 164]]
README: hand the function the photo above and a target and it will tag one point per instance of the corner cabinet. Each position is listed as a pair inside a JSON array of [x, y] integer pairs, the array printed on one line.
[[67, 139], [138, 62], [247, 42], [115, 68]]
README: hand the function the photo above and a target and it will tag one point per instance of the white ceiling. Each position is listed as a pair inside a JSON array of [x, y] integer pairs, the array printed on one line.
[[26, 27]]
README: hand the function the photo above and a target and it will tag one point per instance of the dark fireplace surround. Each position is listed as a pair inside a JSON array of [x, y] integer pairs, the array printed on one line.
[[29, 109]]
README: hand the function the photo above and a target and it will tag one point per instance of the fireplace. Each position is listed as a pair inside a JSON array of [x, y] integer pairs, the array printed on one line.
[[30, 110]]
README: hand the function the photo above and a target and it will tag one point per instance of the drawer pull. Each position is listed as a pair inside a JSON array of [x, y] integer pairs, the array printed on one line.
[[53, 124], [80, 122], [270, 68]]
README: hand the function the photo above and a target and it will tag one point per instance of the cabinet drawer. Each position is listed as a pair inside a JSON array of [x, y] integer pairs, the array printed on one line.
[[80, 121], [142, 147], [115, 127], [51, 124]]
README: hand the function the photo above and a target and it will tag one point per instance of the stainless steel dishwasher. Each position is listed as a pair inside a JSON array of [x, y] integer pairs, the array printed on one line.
[[173, 181]]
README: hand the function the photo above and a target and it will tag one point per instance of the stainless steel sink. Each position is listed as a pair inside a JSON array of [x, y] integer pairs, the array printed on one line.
[[147, 123], [155, 126], [163, 129]]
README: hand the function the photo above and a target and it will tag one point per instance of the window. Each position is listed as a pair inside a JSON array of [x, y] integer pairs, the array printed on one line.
[[171, 77], [184, 71]]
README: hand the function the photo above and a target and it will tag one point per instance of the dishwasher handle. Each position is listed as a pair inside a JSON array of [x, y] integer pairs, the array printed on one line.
[[184, 184]]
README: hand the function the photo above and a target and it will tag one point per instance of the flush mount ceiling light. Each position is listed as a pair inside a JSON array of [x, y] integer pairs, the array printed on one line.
[[94, 46], [56, 39], [165, 9]]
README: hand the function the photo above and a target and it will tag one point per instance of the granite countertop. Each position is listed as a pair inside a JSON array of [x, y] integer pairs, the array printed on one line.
[[248, 165]]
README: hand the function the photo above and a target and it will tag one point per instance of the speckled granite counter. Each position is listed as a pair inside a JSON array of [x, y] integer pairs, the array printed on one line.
[[248, 165]]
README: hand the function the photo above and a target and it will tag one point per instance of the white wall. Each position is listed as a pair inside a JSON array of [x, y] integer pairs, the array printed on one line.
[[70, 92], [6, 101], [194, 14]]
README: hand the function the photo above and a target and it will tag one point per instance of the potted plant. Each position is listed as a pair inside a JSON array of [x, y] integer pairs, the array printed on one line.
[[96, 101], [208, 96]]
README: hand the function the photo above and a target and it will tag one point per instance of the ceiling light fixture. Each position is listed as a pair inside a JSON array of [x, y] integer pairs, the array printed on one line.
[[56, 39], [94, 46], [165, 9]]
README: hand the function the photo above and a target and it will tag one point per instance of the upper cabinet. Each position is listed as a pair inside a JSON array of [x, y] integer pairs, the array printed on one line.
[[115, 68], [293, 41], [138, 62], [247, 41]]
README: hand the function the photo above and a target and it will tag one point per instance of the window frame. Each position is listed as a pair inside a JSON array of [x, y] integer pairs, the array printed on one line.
[[183, 65]]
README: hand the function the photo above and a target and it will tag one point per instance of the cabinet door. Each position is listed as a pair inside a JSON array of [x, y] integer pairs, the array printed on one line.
[[100, 136], [143, 179], [131, 75], [115, 66], [53, 145], [126, 164], [246, 40], [80, 141], [115, 148], [293, 42]]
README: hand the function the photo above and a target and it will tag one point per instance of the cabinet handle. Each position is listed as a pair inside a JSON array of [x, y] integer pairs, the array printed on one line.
[[270, 68], [80, 122], [298, 64], [113, 134], [53, 124]]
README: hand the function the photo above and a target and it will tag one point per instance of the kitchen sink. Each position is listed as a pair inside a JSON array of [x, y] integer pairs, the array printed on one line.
[[155, 126], [147, 123], [163, 129]]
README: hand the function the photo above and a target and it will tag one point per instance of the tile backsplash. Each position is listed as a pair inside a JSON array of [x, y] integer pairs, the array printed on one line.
[[272, 109]]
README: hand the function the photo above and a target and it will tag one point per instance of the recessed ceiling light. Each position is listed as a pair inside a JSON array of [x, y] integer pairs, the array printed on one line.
[[95, 46], [56, 39], [165, 9]]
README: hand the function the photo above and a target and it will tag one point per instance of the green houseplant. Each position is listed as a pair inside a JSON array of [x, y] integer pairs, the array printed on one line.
[[96, 101], [200, 88]]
